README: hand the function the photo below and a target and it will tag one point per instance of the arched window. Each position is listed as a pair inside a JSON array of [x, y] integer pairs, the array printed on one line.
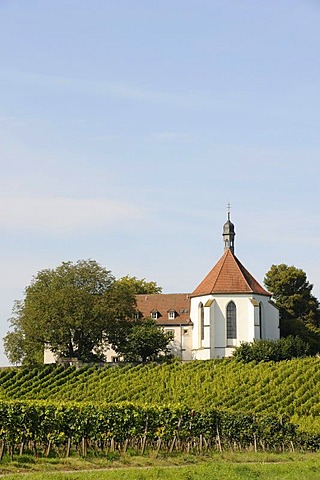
[[231, 320], [260, 319], [201, 321]]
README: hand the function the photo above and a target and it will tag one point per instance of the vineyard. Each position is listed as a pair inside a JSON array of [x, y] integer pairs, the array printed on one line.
[[42, 428], [289, 388]]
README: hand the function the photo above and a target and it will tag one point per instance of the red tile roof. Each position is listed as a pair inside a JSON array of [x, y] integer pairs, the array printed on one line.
[[163, 303], [229, 276]]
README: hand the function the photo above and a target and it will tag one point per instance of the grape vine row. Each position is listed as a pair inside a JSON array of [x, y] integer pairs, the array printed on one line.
[[287, 388]]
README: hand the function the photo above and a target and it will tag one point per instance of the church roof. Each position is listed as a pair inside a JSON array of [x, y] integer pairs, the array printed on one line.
[[162, 304], [229, 276]]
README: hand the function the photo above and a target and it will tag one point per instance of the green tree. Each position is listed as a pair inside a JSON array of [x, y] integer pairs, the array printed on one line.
[[299, 309], [120, 328], [18, 345], [72, 310], [140, 286], [144, 340]]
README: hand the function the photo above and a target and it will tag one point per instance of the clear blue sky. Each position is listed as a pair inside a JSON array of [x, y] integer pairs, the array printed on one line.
[[128, 125]]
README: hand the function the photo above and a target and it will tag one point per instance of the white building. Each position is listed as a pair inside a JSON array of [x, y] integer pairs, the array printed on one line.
[[228, 307]]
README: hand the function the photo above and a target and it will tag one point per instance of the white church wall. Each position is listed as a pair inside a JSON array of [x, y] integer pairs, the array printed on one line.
[[270, 325], [201, 347], [244, 320], [215, 343]]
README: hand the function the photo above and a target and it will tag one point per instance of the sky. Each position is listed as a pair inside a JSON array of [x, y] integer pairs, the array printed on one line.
[[127, 126]]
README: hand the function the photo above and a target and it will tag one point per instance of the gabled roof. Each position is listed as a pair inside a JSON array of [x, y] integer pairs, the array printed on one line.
[[229, 276], [163, 303]]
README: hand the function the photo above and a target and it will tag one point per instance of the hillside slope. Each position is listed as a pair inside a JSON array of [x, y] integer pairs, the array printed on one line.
[[289, 387]]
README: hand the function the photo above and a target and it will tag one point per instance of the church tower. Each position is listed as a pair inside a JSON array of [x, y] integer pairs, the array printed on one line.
[[229, 306], [228, 234]]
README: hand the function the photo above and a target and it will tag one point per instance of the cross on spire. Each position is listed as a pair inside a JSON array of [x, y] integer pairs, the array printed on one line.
[[228, 209], [228, 232]]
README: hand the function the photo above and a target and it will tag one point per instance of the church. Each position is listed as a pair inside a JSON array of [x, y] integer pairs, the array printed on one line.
[[227, 308]]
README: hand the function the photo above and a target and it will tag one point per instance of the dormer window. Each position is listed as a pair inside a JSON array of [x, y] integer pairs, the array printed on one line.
[[136, 315], [154, 314], [172, 314]]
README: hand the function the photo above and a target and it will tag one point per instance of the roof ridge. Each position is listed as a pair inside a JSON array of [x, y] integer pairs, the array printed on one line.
[[241, 267], [224, 259], [245, 272]]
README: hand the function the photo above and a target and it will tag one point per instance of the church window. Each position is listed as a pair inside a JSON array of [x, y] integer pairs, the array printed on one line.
[[201, 321], [231, 321], [260, 319], [258, 322]]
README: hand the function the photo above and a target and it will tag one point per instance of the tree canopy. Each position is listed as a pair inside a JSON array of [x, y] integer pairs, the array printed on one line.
[[74, 309], [140, 286], [143, 340], [299, 308]]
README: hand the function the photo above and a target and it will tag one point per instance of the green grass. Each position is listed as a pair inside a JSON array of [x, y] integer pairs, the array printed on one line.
[[226, 467]]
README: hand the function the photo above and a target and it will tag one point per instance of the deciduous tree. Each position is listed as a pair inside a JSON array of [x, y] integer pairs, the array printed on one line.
[[144, 340], [140, 286], [71, 310], [299, 308]]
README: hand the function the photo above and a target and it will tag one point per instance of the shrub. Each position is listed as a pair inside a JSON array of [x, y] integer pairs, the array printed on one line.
[[272, 350]]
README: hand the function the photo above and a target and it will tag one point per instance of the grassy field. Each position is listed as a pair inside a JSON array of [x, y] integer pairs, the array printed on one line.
[[218, 467], [210, 470]]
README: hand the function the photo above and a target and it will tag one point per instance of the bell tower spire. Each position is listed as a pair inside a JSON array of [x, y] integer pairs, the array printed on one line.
[[228, 233]]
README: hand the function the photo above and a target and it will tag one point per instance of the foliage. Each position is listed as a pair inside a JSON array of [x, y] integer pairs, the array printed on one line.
[[299, 309], [271, 350], [70, 309], [136, 339], [44, 425], [17, 344], [144, 341], [286, 388], [139, 286]]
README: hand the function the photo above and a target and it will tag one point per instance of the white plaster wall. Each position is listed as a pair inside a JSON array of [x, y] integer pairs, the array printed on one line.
[[270, 320], [48, 357], [215, 341], [181, 346], [203, 350], [245, 320], [111, 355]]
